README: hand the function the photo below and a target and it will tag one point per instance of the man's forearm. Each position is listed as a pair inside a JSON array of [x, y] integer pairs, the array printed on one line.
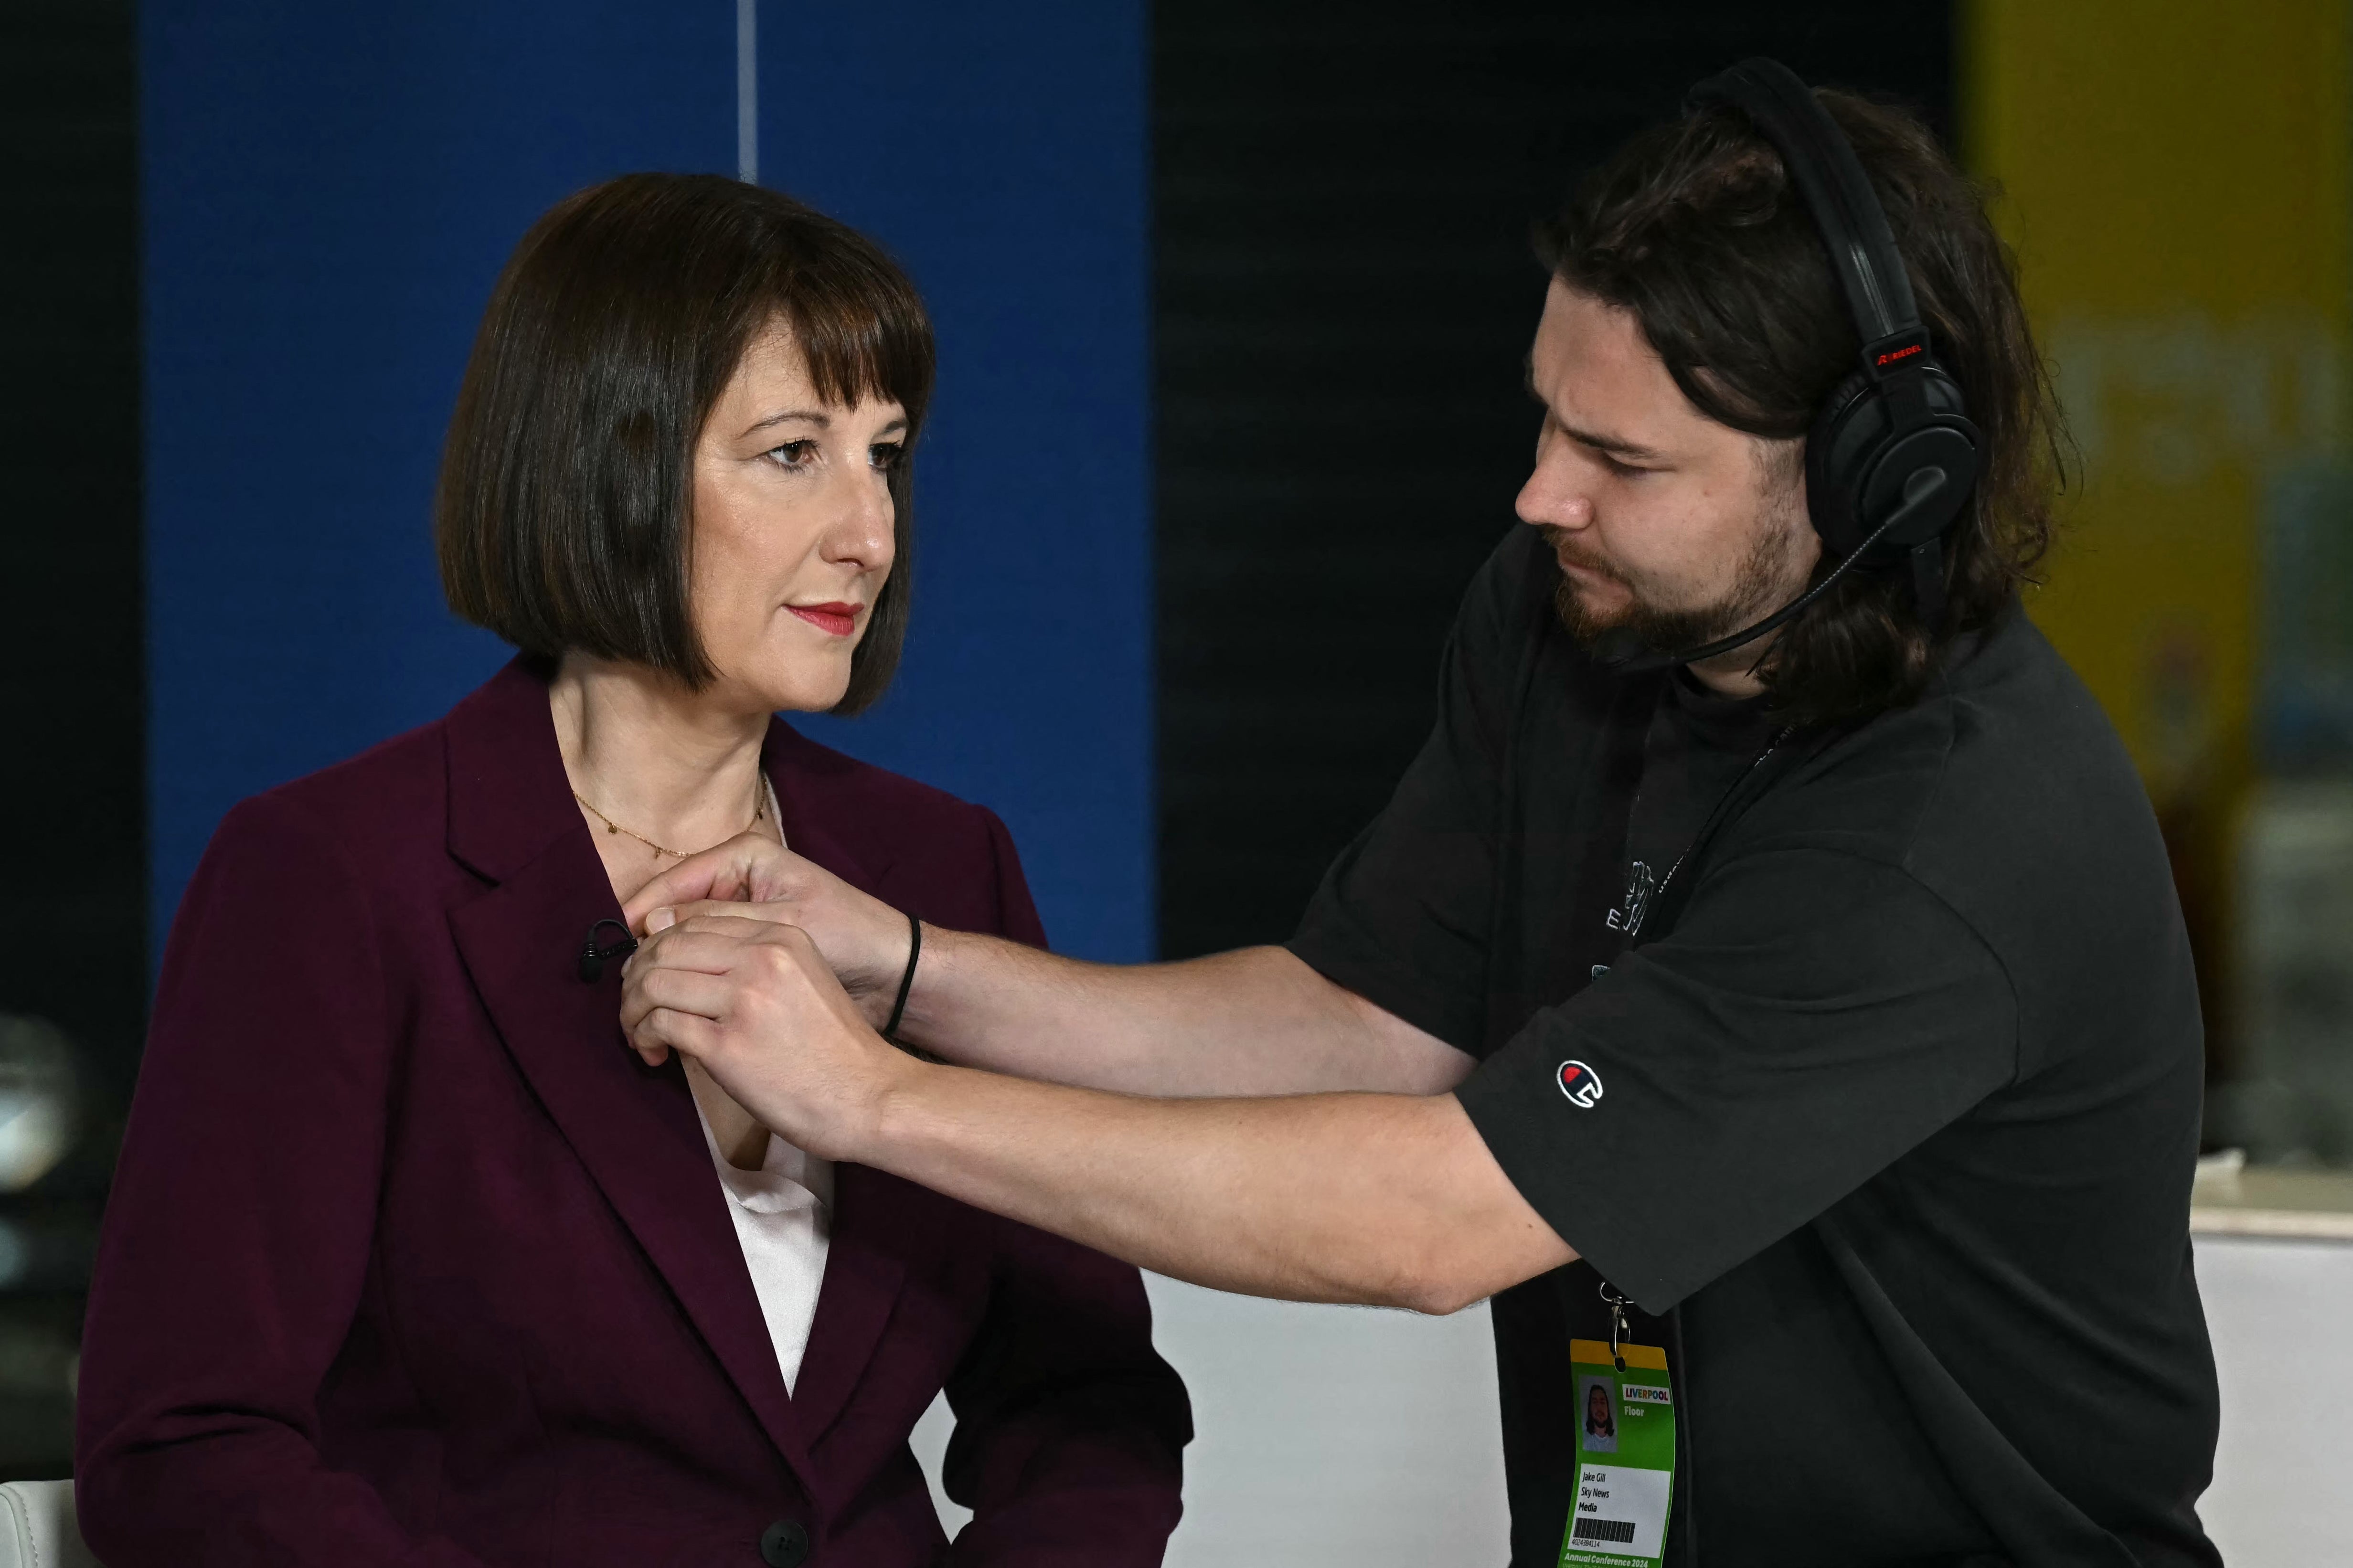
[[1256, 1022], [1384, 1200], [1247, 1022]]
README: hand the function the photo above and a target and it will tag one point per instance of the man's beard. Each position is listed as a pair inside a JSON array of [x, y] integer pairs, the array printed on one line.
[[1755, 593]]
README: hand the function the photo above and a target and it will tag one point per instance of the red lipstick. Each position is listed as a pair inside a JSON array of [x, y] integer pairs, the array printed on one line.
[[834, 619]]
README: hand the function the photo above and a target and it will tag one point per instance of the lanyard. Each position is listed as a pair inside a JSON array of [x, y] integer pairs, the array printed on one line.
[[1715, 813], [1645, 899], [1625, 1418]]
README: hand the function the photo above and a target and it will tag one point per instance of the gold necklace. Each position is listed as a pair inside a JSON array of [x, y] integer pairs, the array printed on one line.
[[759, 814]]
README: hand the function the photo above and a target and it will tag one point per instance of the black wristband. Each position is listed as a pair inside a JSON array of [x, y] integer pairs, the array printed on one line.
[[906, 981]]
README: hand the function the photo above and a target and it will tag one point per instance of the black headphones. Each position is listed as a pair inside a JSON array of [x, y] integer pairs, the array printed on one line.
[[1891, 457]]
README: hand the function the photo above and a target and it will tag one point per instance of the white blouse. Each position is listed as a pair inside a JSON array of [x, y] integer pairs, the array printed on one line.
[[784, 1220], [783, 1215]]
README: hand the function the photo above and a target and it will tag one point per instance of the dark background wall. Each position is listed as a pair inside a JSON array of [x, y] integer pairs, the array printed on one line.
[[72, 774], [73, 870], [1345, 296]]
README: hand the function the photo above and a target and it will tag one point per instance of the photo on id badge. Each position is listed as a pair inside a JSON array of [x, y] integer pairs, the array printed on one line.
[[1600, 1409]]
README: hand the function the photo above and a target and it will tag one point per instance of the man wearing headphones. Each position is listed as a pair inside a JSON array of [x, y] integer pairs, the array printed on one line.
[[1766, 985]]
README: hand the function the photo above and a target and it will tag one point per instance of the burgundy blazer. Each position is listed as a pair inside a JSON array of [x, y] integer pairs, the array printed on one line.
[[410, 1261]]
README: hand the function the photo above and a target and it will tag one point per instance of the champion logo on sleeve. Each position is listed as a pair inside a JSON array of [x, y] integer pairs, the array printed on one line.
[[1581, 1084]]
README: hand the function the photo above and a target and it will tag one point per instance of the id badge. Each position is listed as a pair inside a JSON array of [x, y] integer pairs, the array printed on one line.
[[1625, 1456]]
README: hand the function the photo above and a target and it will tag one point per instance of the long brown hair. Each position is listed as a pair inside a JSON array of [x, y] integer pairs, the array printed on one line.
[[1696, 228]]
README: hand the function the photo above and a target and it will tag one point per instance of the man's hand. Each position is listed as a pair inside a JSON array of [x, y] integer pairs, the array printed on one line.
[[752, 1001], [864, 941]]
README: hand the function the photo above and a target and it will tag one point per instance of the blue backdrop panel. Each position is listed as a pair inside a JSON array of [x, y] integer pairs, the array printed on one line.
[[999, 151], [330, 192]]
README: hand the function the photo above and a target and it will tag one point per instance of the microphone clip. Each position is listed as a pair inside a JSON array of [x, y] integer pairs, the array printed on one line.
[[594, 956]]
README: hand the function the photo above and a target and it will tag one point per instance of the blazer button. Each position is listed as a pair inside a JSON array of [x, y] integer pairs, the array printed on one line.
[[785, 1545]]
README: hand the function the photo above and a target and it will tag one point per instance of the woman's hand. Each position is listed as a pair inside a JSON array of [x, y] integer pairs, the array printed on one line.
[[864, 941], [753, 1002]]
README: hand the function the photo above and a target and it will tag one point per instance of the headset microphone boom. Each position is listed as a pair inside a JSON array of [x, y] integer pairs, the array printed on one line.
[[1892, 441]]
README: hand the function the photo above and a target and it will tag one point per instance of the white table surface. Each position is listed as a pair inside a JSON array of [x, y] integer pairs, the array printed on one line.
[[1345, 1438]]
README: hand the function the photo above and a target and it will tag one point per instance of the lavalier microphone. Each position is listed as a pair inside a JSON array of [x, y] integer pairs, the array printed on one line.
[[595, 956]]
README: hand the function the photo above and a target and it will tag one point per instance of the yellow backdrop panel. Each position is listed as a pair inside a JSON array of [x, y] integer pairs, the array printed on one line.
[[2175, 178]]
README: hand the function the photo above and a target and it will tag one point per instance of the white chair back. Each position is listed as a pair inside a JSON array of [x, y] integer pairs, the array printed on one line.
[[37, 1528]]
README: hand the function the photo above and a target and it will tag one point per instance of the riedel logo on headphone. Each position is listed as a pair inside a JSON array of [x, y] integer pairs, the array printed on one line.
[[1903, 353], [1581, 1084]]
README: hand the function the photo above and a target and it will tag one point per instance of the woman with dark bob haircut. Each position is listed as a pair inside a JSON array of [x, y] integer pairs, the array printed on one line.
[[409, 1259]]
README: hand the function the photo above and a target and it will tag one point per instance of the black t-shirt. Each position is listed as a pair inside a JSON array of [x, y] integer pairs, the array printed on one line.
[[1900, 1077], [1699, 748]]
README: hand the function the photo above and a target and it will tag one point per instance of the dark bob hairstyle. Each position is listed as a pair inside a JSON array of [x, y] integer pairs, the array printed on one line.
[[1694, 228], [562, 517]]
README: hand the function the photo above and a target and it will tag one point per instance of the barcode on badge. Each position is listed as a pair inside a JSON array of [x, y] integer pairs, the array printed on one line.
[[1621, 1510]]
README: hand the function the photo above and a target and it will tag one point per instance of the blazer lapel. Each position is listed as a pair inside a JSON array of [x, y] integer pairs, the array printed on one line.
[[811, 782], [633, 1126], [875, 1226], [874, 1230]]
